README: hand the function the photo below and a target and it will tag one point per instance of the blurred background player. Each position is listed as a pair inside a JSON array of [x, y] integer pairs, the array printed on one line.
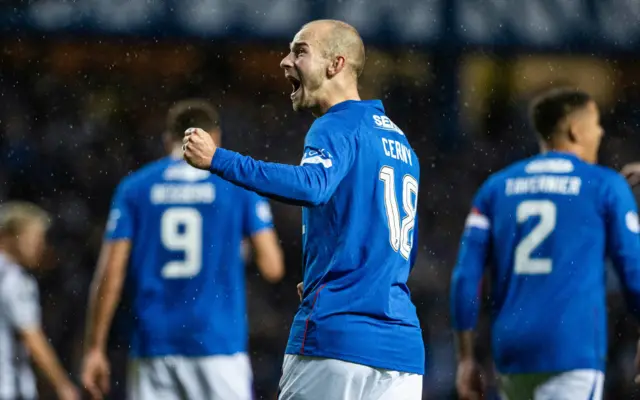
[[23, 229], [175, 233], [356, 334], [545, 225]]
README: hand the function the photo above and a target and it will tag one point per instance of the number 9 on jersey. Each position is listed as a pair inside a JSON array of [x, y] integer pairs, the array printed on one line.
[[181, 230]]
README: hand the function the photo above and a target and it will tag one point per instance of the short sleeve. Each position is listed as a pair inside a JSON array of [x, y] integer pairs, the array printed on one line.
[[120, 221], [257, 214], [21, 301]]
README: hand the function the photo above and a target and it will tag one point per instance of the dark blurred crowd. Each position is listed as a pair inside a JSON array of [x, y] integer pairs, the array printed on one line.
[[69, 134]]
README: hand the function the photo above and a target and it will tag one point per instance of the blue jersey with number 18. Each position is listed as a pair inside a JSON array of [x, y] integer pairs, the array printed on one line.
[[359, 246], [358, 183], [545, 225], [185, 278]]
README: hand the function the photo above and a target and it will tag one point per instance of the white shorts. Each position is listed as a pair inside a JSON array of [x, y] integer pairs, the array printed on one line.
[[313, 378], [579, 384], [177, 377]]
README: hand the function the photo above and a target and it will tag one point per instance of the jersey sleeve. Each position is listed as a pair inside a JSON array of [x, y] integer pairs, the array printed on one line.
[[623, 242], [21, 301], [257, 214], [472, 257], [328, 157], [120, 221]]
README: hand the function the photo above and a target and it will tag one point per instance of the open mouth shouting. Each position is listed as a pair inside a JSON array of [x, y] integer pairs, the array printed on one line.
[[295, 83]]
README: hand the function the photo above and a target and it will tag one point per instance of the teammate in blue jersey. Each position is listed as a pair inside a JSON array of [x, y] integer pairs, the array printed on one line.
[[356, 334], [544, 226], [175, 234]]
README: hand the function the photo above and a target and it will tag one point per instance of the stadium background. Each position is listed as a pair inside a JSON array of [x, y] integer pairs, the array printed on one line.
[[84, 87]]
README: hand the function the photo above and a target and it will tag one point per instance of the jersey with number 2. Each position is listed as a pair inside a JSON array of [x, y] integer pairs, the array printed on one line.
[[547, 224], [185, 277]]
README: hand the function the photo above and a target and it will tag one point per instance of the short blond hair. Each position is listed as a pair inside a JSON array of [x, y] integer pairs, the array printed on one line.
[[16, 214]]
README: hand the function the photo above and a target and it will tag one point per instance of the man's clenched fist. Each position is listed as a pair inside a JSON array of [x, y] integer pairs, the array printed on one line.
[[198, 147]]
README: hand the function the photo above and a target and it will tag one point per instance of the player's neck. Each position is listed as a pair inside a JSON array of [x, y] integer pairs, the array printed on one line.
[[176, 151], [569, 148], [336, 96]]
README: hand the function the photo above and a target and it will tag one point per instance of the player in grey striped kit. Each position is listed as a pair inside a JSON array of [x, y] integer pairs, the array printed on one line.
[[22, 240]]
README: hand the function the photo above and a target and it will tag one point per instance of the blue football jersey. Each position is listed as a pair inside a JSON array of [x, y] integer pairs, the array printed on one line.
[[545, 226], [185, 278], [358, 185]]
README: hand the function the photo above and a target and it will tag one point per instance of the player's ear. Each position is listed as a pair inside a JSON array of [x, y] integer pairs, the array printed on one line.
[[572, 133], [337, 65]]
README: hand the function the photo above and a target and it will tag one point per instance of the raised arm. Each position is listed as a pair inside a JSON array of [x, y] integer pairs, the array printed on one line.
[[327, 159]]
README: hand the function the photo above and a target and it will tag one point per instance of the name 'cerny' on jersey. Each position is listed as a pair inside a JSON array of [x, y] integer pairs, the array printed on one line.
[[546, 226], [185, 278], [358, 185], [358, 247]]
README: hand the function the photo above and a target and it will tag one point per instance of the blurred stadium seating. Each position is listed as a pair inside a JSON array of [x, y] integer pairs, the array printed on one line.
[[84, 87]]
